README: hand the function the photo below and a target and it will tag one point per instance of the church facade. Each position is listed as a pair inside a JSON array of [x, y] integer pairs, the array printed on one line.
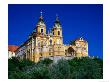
[[50, 45]]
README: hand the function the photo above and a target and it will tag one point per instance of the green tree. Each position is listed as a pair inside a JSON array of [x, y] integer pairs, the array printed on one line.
[[60, 70], [72, 42], [46, 61], [85, 68], [76, 68]]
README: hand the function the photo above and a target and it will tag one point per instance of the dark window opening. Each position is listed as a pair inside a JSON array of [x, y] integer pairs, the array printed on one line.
[[41, 30], [58, 32], [41, 54], [49, 53], [50, 42]]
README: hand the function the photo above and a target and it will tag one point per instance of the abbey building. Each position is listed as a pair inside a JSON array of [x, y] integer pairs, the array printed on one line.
[[50, 45]]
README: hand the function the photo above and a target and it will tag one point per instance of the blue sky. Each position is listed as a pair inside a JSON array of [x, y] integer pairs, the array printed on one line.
[[78, 20]]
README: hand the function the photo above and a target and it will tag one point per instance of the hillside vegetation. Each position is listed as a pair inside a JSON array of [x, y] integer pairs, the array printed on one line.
[[83, 68]]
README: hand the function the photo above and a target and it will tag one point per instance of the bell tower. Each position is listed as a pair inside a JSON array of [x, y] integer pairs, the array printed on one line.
[[57, 31], [41, 27]]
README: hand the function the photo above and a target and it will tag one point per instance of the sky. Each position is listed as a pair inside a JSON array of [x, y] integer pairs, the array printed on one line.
[[77, 21]]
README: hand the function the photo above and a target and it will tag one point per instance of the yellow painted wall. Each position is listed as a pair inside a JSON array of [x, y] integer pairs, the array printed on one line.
[[55, 30], [39, 29]]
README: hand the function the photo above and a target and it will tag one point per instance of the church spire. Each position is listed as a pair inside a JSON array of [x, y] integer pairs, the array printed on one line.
[[57, 22], [41, 18], [41, 27], [57, 17]]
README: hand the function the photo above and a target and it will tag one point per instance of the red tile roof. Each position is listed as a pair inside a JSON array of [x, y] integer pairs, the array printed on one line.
[[12, 48]]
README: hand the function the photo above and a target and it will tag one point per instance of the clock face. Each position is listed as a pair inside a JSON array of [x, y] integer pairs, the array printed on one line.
[[41, 26]]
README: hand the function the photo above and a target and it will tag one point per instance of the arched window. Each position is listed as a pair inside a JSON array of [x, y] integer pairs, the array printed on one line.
[[50, 42], [71, 51], [24, 56], [58, 32], [38, 44], [29, 54], [41, 30]]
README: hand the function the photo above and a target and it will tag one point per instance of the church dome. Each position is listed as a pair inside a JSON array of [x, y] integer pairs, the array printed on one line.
[[57, 23]]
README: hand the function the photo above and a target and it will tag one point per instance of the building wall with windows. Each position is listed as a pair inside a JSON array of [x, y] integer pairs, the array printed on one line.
[[43, 45], [11, 51]]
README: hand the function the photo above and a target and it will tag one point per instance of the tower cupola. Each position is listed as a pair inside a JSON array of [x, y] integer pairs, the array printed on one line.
[[57, 32], [41, 20], [57, 23], [41, 27]]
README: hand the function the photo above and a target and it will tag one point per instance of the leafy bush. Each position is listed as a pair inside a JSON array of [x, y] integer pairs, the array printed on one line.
[[85, 68], [60, 70], [46, 61], [77, 68], [40, 72], [16, 67]]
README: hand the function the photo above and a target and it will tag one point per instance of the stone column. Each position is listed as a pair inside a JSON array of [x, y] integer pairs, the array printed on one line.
[[45, 51], [36, 55]]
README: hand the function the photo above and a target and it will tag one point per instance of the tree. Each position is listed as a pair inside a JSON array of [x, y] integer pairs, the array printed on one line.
[[76, 68], [46, 61], [72, 42], [60, 70], [85, 68]]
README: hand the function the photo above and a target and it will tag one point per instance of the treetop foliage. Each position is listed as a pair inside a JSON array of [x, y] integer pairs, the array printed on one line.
[[77, 68]]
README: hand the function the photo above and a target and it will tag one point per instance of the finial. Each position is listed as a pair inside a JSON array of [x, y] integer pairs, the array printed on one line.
[[56, 16], [41, 13], [81, 38], [48, 32]]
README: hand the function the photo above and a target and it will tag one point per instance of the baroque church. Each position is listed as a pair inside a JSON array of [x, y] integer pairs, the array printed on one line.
[[40, 44]]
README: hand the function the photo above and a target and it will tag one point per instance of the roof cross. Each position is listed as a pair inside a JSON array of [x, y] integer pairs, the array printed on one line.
[[41, 13]]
